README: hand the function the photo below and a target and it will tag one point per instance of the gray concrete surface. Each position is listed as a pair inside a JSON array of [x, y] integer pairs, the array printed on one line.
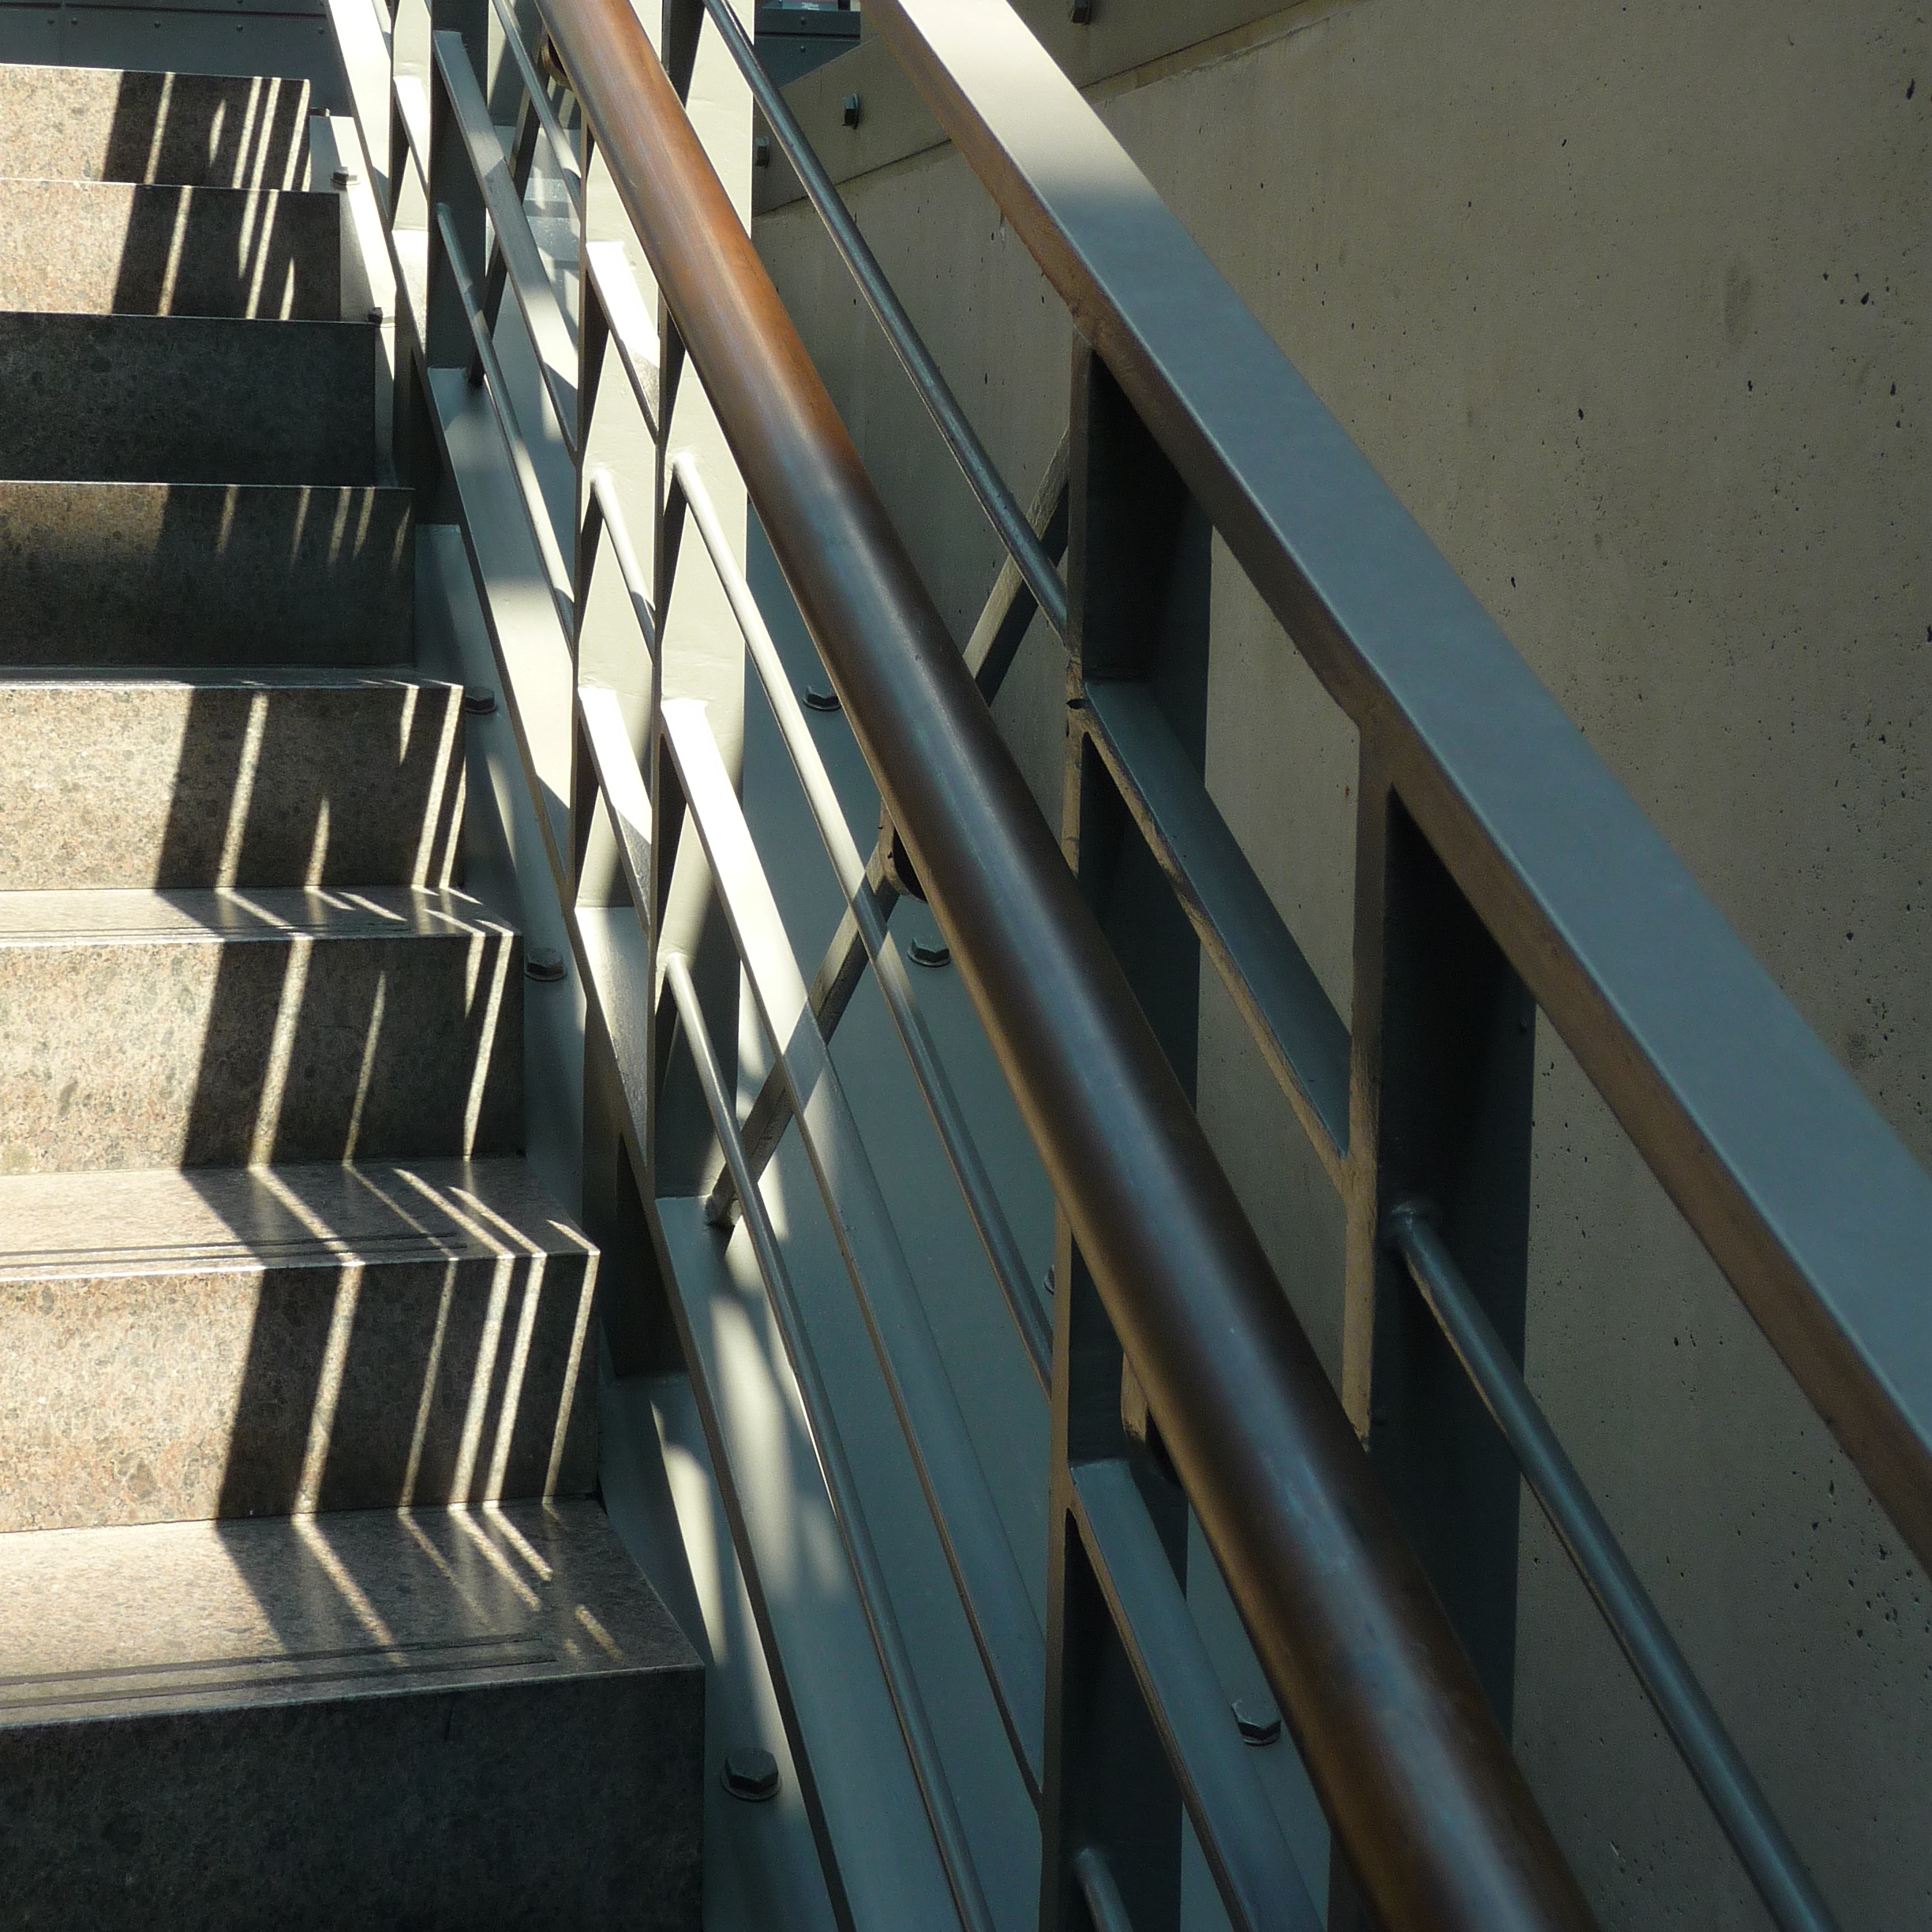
[[1629, 306]]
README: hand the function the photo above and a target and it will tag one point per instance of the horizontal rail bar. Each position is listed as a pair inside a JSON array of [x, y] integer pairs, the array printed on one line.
[[568, 166], [929, 1771], [991, 1591], [1305, 1041], [529, 488], [551, 336], [1419, 1781], [1002, 510], [1254, 1871], [1807, 1200], [1010, 606], [633, 331], [1766, 1854], [412, 106], [976, 1184], [608, 513]]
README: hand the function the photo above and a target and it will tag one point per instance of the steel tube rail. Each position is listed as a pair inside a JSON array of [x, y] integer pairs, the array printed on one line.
[[1766, 1854], [949, 1834], [1002, 510], [1419, 1782], [1808, 1201], [976, 1184]]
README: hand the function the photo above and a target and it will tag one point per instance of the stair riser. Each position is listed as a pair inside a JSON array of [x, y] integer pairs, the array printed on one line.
[[187, 399], [166, 785], [151, 1054], [93, 124], [110, 247], [567, 1804], [177, 1396], [194, 574]]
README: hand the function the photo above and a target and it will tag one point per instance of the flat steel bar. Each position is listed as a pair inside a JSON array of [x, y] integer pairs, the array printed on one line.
[[1420, 1784], [835, 1471], [621, 784], [1002, 510], [1787, 1887], [991, 1590], [522, 153], [1807, 1200], [529, 488], [412, 102], [1099, 1893], [551, 334], [633, 332], [610, 512], [568, 166], [976, 1184], [1010, 604], [1305, 1041], [1254, 1871]]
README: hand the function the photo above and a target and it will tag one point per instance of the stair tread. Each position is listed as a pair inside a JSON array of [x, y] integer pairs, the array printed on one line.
[[144, 1219], [223, 677], [194, 1617], [276, 913]]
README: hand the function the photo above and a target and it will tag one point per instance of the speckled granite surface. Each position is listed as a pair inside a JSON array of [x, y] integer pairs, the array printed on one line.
[[102, 248], [479, 1719], [292, 778], [203, 573], [231, 1028], [94, 124], [313, 1338], [187, 399]]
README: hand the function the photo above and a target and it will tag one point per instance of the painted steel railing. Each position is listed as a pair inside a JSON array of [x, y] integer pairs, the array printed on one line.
[[1500, 869]]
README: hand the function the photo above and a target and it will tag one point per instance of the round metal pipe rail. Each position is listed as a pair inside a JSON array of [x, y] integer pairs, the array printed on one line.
[[1429, 1806]]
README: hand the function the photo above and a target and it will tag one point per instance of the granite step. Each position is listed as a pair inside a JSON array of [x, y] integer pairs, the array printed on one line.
[[120, 248], [436, 1720], [201, 778], [233, 1028], [257, 1342], [198, 130], [204, 573], [187, 399]]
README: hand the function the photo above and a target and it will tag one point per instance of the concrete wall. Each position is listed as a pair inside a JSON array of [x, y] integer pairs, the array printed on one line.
[[1633, 307]]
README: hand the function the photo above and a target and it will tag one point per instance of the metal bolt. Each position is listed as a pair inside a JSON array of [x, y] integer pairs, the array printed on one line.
[[479, 700], [1079, 11], [854, 109], [934, 955], [1046, 1283], [545, 964], [1258, 1725], [818, 698], [375, 315], [760, 151], [750, 1773], [342, 177]]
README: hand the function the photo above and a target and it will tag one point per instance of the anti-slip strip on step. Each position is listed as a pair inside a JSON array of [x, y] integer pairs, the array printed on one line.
[[135, 915]]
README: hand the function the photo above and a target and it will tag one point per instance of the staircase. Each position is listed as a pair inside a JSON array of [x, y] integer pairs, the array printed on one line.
[[307, 1615]]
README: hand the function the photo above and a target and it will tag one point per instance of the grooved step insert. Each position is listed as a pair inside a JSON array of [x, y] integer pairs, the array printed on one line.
[[233, 1027], [272, 778], [99, 124], [442, 1720], [230, 1342], [114, 248], [204, 573], [187, 399]]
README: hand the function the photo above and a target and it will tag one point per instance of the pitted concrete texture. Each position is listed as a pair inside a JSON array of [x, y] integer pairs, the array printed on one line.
[[98, 124], [204, 573], [291, 1338], [441, 1720], [113, 247], [294, 778], [187, 399], [228, 1028]]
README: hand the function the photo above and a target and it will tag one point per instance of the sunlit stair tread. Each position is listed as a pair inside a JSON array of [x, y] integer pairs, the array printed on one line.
[[226, 1028], [124, 248], [439, 1718], [241, 1342], [106, 124], [96, 572], [187, 398]]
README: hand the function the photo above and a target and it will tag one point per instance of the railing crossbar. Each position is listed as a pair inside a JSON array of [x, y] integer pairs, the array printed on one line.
[[568, 165], [1733, 1793]]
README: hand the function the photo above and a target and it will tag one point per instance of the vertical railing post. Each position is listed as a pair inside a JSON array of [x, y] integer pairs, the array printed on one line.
[[1444, 1067], [1137, 574]]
